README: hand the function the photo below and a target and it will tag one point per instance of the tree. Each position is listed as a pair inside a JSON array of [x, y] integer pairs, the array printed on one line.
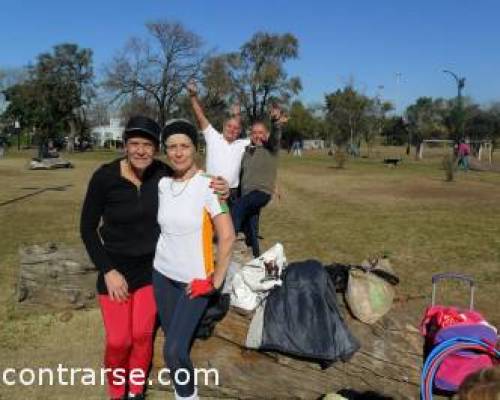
[[156, 69], [425, 120], [9, 77], [374, 120], [394, 131], [258, 75], [483, 123], [56, 92], [302, 123], [218, 90], [346, 114]]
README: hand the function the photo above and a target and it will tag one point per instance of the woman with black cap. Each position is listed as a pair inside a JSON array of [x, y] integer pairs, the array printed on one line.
[[185, 271], [119, 229]]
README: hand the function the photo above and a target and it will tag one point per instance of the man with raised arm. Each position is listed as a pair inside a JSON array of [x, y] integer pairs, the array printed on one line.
[[224, 151], [258, 176]]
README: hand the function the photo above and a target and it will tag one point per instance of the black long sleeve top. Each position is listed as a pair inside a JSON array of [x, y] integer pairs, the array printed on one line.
[[119, 223]]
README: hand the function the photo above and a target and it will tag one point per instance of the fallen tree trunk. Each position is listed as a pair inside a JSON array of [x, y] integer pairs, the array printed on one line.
[[56, 277], [60, 277], [387, 363]]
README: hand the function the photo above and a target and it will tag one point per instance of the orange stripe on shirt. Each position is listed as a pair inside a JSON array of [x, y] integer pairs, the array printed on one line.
[[207, 236]]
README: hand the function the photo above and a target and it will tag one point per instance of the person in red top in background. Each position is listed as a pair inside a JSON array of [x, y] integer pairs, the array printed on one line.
[[463, 154]]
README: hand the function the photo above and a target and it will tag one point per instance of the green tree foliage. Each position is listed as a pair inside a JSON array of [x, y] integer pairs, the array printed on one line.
[[258, 75], [375, 120], [347, 112], [53, 97], [483, 123], [218, 89], [394, 131], [426, 119], [303, 124]]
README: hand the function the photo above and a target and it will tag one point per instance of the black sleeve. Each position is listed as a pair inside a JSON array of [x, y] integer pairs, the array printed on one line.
[[273, 144], [93, 208]]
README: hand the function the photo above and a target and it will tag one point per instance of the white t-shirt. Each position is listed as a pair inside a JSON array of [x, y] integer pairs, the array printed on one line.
[[185, 212], [224, 158]]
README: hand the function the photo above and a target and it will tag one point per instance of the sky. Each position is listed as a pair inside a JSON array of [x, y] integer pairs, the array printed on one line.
[[371, 43]]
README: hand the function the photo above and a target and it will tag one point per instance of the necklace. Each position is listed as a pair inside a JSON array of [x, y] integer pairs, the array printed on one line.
[[177, 194]]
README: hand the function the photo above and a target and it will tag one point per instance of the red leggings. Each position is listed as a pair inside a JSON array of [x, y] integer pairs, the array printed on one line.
[[129, 337]]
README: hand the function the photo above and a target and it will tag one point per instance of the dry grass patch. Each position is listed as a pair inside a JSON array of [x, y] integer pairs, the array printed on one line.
[[424, 223]]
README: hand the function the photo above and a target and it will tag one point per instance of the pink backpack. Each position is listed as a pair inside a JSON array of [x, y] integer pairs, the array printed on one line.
[[441, 323]]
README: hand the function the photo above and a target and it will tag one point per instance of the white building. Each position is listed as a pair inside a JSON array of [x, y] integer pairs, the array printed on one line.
[[111, 133], [313, 144]]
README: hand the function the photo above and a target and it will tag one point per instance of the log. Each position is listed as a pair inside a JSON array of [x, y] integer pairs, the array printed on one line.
[[56, 277], [49, 163], [59, 277], [388, 362]]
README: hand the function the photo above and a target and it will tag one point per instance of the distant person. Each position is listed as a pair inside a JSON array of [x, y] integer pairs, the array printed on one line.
[[258, 176], [297, 147], [3, 145], [52, 149], [224, 151], [463, 155]]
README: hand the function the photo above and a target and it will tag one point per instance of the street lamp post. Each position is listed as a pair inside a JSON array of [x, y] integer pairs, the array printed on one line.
[[460, 85], [17, 131]]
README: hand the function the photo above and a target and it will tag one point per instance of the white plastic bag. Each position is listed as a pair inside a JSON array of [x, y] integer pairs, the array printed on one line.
[[252, 282]]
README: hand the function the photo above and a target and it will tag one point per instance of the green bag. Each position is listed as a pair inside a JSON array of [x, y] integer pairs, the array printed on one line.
[[370, 290]]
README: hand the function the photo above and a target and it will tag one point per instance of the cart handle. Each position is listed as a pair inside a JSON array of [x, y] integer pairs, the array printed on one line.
[[459, 277]]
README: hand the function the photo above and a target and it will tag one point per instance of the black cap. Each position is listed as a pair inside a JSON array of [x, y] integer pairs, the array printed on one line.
[[142, 126], [174, 126]]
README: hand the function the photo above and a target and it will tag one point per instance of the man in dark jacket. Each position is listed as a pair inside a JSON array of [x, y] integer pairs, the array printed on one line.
[[259, 168]]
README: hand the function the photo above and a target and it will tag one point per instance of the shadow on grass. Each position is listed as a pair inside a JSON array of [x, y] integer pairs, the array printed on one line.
[[55, 189]]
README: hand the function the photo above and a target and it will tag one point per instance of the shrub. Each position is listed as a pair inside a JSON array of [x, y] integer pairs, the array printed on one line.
[[449, 163], [340, 158]]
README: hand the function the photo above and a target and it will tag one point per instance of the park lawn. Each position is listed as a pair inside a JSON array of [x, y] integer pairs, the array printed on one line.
[[425, 224]]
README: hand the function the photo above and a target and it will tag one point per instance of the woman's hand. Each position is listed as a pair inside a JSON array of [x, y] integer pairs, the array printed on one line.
[[220, 187], [217, 282], [117, 286], [200, 287]]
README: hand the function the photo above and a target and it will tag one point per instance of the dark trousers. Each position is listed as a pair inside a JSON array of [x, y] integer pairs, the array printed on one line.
[[245, 213], [179, 317], [234, 195]]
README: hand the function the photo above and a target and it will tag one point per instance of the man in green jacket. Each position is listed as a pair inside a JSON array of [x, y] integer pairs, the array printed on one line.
[[258, 176]]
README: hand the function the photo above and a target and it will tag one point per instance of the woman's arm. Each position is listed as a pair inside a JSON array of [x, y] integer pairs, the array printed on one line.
[[92, 210], [225, 239]]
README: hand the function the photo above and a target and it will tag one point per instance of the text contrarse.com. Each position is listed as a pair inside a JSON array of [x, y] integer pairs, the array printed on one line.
[[71, 376]]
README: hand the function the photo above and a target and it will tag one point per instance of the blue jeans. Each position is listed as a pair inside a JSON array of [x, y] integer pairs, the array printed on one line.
[[245, 213], [179, 318]]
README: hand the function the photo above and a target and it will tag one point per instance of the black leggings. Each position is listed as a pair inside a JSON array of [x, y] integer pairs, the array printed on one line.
[[179, 317]]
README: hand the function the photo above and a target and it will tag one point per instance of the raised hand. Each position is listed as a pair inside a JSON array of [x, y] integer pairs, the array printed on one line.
[[192, 88], [283, 119], [236, 109], [275, 112]]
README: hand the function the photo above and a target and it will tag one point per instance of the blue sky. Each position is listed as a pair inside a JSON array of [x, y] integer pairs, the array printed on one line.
[[368, 41]]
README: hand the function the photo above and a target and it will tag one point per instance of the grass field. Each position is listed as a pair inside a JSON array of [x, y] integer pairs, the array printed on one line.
[[425, 224]]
